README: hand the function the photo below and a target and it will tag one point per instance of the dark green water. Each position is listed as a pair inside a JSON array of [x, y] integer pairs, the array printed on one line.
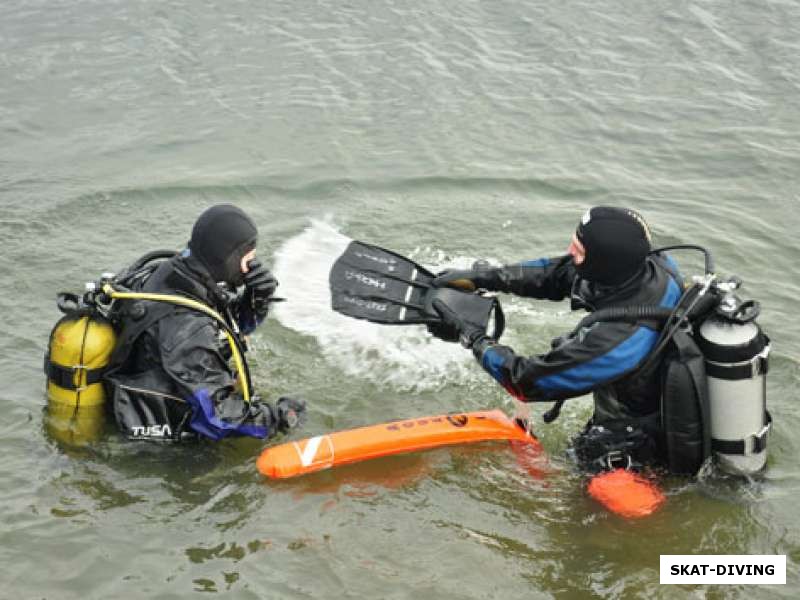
[[449, 131]]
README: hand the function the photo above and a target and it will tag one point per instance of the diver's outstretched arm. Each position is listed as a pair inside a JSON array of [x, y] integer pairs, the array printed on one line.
[[543, 278], [585, 360]]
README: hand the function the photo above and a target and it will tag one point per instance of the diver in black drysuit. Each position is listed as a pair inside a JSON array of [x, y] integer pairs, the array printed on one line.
[[608, 265], [169, 375]]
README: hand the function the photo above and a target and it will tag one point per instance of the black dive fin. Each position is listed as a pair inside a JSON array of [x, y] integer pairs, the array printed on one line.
[[378, 285]]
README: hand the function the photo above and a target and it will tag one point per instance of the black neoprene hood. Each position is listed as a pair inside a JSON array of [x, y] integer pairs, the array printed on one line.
[[221, 236], [616, 241]]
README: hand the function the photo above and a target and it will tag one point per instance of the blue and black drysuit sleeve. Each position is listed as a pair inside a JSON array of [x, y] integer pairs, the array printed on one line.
[[543, 278], [586, 359], [191, 357]]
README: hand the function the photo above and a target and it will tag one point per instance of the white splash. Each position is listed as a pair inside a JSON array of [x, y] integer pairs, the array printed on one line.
[[406, 357]]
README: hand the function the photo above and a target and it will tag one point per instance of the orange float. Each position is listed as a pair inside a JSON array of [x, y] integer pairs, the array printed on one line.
[[626, 493], [395, 437]]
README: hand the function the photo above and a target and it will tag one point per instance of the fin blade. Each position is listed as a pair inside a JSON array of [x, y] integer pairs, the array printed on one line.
[[368, 282]]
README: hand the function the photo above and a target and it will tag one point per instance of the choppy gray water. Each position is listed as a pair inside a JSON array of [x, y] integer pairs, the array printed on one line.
[[444, 130]]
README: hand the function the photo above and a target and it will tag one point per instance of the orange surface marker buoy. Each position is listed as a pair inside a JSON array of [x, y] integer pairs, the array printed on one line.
[[353, 445], [625, 493]]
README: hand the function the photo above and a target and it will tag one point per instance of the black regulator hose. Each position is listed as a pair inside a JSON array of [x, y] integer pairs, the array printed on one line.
[[151, 256], [627, 314], [709, 259], [138, 265], [688, 308], [700, 299]]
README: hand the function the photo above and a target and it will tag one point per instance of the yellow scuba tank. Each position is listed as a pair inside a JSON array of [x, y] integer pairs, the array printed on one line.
[[80, 348], [78, 354], [75, 426]]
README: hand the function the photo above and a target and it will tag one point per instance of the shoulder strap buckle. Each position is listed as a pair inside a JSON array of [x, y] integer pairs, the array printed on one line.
[[616, 459]]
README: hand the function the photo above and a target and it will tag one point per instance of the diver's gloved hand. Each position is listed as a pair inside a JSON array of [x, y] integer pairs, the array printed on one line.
[[455, 328], [289, 413], [480, 276], [260, 286], [443, 331]]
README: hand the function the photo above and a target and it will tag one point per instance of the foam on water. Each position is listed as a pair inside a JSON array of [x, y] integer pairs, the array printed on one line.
[[404, 357]]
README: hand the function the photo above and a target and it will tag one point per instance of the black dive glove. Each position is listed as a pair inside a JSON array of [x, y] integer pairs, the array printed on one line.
[[285, 414], [289, 413], [260, 286], [453, 328], [480, 276]]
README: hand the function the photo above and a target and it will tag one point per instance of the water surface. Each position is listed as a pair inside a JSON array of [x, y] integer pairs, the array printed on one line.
[[446, 131]]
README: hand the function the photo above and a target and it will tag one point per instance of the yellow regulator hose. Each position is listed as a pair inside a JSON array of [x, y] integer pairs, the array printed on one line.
[[188, 302]]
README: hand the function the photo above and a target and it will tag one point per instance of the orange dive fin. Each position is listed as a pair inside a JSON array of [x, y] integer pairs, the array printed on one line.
[[353, 445]]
